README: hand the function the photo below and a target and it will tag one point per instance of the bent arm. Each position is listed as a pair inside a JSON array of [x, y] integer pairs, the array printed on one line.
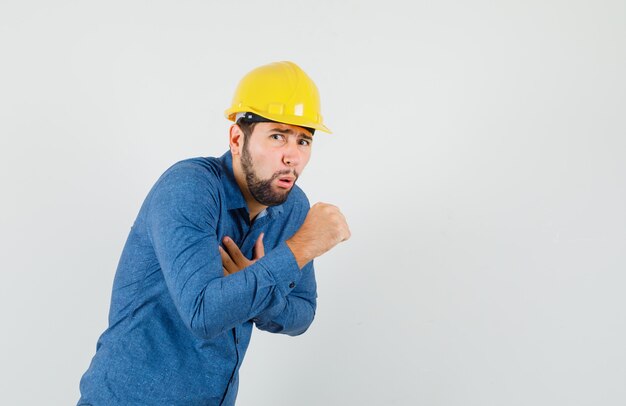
[[181, 223], [293, 313]]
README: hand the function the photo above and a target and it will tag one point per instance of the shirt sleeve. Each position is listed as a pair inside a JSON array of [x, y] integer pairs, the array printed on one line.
[[292, 314], [181, 219]]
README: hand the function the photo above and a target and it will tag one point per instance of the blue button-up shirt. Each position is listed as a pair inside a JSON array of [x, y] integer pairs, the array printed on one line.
[[178, 328]]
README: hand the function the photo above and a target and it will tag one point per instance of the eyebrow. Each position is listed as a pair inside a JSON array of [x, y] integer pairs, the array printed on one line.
[[290, 131]]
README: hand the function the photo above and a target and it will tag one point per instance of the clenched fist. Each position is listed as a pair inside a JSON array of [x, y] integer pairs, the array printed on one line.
[[323, 228]]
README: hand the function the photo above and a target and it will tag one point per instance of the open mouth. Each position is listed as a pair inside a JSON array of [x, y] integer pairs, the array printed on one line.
[[285, 182]]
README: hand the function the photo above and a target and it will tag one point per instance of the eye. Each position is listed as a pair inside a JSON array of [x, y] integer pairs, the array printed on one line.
[[305, 142], [277, 137]]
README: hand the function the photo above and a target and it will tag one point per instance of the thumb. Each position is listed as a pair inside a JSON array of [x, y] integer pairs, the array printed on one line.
[[259, 249]]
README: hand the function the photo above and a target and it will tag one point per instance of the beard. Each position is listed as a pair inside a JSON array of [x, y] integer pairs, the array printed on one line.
[[261, 189]]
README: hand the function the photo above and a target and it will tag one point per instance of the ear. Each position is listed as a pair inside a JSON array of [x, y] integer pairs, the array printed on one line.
[[236, 139]]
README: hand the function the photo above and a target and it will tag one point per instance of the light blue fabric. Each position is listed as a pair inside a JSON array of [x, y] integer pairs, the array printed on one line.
[[178, 329]]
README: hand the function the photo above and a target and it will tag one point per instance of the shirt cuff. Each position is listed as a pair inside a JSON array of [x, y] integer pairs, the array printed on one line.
[[282, 265]]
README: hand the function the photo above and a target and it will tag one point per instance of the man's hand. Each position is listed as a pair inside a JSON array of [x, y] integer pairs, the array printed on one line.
[[323, 228], [233, 260]]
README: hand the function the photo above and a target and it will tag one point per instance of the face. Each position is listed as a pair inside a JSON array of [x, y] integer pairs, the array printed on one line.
[[272, 158]]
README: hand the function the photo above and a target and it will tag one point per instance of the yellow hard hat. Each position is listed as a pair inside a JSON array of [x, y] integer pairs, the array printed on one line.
[[280, 92]]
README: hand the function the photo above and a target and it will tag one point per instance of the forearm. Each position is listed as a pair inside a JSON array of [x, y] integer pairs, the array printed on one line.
[[299, 251], [211, 308]]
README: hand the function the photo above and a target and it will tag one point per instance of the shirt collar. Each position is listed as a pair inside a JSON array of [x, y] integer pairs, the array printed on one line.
[[234, 197]]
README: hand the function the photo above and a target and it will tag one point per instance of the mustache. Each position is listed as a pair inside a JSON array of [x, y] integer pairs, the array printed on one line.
[[286, 172]]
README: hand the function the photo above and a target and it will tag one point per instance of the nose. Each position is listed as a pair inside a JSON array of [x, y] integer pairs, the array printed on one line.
[[291, 155]]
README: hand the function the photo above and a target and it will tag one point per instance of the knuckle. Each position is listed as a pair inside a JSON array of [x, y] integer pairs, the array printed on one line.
[[336, 233]]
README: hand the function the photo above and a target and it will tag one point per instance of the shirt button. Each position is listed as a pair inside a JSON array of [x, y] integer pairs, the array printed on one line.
[[237, 340], [292, 285]]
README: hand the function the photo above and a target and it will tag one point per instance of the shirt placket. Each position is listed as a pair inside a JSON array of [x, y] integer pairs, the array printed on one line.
[[245, 242]]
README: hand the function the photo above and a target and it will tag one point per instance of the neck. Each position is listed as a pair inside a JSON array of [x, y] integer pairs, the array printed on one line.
[[254, 207]]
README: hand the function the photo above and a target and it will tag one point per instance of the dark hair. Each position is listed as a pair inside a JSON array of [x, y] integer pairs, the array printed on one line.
[[249, 120], [246, 127]]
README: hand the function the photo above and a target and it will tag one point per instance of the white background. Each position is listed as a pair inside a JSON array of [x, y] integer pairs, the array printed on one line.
[[478, 154]]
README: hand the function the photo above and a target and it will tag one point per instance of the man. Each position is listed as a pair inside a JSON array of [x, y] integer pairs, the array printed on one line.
[[194, 275]]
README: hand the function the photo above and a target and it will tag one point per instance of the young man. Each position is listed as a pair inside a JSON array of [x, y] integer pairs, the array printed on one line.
[[218, 245]]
